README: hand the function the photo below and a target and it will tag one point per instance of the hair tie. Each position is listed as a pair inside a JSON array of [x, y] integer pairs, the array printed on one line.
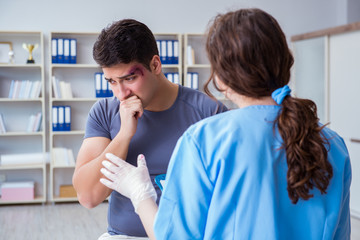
[[279, 94]]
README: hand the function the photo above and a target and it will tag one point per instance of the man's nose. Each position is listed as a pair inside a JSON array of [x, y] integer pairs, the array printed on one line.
[[123, 92]]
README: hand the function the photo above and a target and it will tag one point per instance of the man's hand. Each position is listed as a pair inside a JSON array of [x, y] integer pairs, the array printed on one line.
[[132, 182], [131, 110]]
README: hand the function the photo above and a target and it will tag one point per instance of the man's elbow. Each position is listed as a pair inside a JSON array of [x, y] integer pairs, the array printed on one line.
[[87, 201]]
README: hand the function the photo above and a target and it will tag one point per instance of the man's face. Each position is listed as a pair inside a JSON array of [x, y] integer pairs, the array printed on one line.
[[131, 79]]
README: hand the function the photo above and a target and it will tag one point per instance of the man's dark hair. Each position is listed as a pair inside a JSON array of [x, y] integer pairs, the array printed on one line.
[[125, 41]]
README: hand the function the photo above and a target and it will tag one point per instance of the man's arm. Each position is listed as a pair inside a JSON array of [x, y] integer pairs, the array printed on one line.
[[87, 173]]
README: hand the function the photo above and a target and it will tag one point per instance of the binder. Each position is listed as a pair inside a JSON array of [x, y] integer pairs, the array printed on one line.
[[55, 118], [176, 78], [170, 77], [109, 90], [176, 51], [195, 80], [163, 55], [66, 50], [54, 50], [61, 118], [104, 89], [60, 50], [73, 50], [158, 43], [170, 52], [98, 77], [67, 118], [189, 80]]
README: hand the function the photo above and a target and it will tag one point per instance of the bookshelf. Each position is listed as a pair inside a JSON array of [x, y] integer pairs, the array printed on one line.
[[196, 61], [16, 109], [80, 76]]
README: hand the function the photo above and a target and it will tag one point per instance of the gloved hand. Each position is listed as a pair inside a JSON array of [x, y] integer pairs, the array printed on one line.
[[132, 182]]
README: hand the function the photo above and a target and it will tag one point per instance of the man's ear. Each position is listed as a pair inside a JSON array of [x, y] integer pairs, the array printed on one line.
[[155, 65]]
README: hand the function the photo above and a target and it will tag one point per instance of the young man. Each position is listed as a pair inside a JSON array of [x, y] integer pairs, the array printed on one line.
[[147, 115]]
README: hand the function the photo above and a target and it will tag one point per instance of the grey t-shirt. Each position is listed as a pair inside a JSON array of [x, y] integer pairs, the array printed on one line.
[[155, 137]]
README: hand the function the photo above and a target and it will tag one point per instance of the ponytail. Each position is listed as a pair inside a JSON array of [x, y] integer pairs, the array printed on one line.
[[305, 147]]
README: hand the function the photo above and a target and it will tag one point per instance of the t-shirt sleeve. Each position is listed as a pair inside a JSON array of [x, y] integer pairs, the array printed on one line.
[[186, 197], [96, 124], [211, 107]]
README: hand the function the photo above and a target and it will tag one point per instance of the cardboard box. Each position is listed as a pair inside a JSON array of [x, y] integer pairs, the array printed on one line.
[[17, 191], [67, 191]]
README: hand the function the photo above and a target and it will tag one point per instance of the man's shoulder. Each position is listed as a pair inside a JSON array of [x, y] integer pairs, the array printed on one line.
[[105, 106], [199, 100]]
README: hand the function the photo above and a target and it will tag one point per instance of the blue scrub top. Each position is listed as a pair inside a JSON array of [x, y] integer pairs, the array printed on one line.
[[227, 180]]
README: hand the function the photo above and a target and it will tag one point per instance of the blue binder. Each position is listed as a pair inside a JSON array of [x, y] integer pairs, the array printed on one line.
[[98, 76], [54, 50], [73, 50], [66, 50], [55, 117], [60, 50], [67, 117]]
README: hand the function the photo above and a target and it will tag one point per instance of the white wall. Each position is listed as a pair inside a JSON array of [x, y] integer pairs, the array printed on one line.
[[162, 15]]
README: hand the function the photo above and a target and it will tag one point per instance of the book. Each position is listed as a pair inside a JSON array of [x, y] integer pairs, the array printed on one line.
[[2, 124], [62, 157], [56, 87], [34, 124]]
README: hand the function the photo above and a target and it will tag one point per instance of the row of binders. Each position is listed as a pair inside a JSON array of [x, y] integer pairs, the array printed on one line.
[[61, 89], [61, 118], [168, 51], [173, 77], [192, 80], [102, 86], [63, 50], [24, 89]]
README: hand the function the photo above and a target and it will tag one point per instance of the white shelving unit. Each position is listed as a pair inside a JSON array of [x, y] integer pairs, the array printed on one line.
[[81, 78], [200, 64], [16, 113]]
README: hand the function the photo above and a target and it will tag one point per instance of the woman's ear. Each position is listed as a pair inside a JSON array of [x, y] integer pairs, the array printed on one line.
[[155, 65]]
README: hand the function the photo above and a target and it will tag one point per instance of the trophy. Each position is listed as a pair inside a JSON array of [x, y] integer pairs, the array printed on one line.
[[30, 48]]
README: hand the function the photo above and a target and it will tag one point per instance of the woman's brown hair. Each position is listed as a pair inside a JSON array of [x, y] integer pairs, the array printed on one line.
[[248, 52]]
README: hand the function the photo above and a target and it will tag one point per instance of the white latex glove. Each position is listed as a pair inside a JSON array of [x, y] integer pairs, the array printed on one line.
[[130, 181]]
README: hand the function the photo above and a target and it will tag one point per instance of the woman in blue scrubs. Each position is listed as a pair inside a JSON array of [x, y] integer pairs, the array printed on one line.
[[267, 170]]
